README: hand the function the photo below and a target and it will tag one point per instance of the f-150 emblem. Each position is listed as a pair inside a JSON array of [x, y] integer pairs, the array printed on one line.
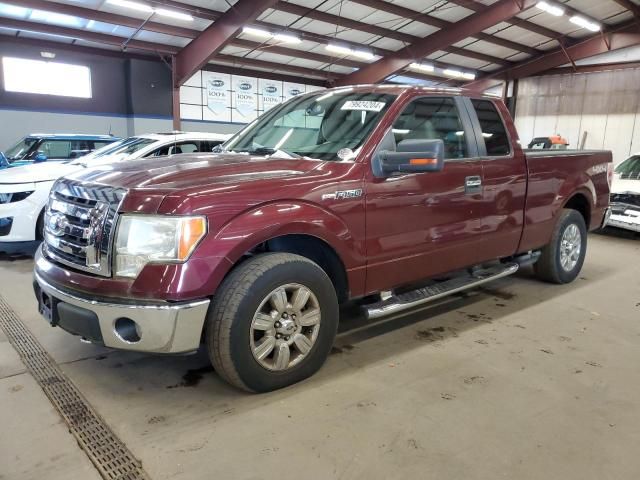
[[343, 194]]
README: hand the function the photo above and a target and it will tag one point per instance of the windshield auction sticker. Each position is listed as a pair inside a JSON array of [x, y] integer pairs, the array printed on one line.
[[363, 105]]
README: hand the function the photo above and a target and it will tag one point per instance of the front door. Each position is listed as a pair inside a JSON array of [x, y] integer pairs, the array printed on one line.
[[420, 225]]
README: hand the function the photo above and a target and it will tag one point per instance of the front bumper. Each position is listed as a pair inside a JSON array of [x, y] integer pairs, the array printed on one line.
[[624, 216], [160, 328]]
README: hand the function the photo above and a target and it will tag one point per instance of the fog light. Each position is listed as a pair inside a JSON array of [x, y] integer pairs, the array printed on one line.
[[127, 330]]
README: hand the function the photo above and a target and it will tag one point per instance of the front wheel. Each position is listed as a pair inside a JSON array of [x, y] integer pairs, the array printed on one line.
[[272, 322], [562, 259]]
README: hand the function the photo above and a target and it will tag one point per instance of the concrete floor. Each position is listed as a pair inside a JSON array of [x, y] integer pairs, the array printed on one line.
[[520, 380]]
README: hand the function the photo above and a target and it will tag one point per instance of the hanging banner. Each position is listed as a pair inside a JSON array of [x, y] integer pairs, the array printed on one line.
[[216, 96], [292, 90], [245, 99], [270, 94]]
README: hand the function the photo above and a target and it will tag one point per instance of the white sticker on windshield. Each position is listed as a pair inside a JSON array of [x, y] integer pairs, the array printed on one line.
[[363, 105]]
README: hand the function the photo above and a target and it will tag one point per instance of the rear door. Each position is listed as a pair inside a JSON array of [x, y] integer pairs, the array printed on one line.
[[505, 178], [424, 224]]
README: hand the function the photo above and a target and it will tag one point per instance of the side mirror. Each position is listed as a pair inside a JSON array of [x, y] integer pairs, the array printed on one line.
[[40, 157], [413, 156]]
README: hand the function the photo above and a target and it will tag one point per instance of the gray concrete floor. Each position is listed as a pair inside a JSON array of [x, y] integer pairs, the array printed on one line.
[[519, 380]]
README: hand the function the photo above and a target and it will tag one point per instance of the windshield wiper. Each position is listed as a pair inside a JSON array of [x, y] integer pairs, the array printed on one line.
[[267, 151]]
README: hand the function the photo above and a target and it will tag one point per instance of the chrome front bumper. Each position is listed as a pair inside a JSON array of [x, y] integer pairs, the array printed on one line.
[[162, 328], [627, 218]]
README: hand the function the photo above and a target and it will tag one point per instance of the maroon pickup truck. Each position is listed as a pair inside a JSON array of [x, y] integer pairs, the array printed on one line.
[[391, 196]]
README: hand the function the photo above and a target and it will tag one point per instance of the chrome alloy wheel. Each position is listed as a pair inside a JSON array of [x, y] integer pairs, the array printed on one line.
[[285, 327], [570, 247]]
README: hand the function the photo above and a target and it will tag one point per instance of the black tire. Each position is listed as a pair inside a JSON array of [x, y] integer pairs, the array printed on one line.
[[40, 227], [228, 325], [549, 267]]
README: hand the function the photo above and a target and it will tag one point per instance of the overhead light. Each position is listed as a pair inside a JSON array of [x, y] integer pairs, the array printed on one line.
[[287, 38], [400, 131], [365, 55], [332, 47], [551, 8], [422, 67], [450, 72], [453, 73], [585, 23], [257, 32], [281, 37], [173, 14], [141, 7], [47, 55], [342, 50]]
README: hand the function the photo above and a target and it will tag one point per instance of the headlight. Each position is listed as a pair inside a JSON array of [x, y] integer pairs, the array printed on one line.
[[143, 239]]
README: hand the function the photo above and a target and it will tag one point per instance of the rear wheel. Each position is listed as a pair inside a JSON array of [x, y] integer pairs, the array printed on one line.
[[562, 259], [272, 322]]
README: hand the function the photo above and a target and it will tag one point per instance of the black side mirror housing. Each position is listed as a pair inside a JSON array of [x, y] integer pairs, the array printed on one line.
[[413, 156]]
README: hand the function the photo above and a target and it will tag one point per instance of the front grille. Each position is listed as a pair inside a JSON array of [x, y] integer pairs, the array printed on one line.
[[621, 201], [79, 225]]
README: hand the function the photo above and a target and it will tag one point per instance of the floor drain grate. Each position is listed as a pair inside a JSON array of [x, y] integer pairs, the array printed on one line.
[[110, 456]]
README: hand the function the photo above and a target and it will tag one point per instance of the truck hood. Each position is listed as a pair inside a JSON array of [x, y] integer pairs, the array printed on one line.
[[37, 172], [623, 186], [193, 173]]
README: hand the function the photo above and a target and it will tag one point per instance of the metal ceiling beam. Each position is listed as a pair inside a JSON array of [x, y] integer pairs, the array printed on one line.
[[621, 36], [197, 53], [516, 22], [629, 5], [496, 13], [75, 33], [602, 67], [394, 34]]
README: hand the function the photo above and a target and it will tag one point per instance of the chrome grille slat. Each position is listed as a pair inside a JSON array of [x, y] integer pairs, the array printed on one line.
[[79, 225]]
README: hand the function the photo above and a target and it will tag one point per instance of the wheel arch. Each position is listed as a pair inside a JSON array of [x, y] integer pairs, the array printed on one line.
[[580, 202]]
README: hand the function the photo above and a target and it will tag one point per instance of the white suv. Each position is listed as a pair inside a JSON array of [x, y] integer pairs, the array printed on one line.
[[24, 190], [625, 195]]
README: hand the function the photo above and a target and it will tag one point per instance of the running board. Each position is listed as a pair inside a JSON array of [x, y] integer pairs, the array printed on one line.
[[414, 298]]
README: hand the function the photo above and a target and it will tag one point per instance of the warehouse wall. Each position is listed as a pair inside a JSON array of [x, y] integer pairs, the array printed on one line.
[[130, 96], [605, 105]]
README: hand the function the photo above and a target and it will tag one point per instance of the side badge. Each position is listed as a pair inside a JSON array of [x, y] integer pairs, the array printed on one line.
[[343, 194]]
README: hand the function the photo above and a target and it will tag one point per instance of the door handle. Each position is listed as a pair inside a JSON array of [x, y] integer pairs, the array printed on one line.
[[473, 184]]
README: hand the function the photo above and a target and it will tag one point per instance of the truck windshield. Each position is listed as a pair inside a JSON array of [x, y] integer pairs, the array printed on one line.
[[325, 125], [630, 168], [18, 151]]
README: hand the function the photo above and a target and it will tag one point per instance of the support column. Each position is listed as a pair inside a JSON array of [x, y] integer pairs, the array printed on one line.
[[175, 89]]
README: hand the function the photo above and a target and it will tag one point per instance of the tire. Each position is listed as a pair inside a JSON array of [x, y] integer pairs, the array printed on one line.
[[550, 266], [40, 227], [235, 341]]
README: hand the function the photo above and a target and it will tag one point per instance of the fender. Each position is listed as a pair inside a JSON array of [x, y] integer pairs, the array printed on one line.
[[284, 217]]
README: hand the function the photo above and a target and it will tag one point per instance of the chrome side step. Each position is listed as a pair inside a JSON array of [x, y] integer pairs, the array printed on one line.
[[414, 298]]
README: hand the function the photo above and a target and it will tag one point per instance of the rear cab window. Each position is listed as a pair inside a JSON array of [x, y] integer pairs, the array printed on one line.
[[494, 134]]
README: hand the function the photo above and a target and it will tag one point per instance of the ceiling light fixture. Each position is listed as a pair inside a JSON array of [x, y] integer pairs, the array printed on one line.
[[256, 32], [585, 23], [422, 67], [286, 38], [342, 50], [554, 10], [281, 37], [332, 47], [173, 14], [141, 7]]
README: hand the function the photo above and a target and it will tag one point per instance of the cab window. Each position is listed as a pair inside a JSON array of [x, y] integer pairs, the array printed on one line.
[[493, 132], [55, 148], [190, 146], [433, 118]]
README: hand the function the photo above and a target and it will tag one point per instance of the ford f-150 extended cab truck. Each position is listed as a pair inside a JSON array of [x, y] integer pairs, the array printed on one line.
[[389, 195]]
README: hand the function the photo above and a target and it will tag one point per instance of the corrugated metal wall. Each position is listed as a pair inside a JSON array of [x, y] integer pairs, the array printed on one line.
[[606, 105]]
